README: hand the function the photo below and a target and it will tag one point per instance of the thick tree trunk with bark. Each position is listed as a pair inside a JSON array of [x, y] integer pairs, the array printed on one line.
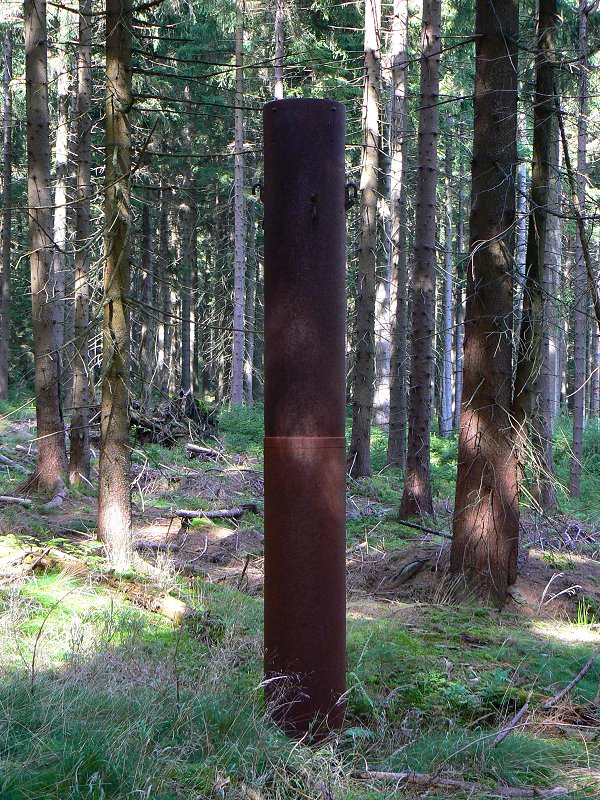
[[163, 293], [6, 215], [486, 515], [396, 452], [250, 311], [359, 456], [417, 498], [79, 461], [579, 270], [114, 490], [52, 455], [239, 234]]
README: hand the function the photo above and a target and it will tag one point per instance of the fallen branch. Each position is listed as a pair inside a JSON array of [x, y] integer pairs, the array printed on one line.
[[22, 501], [511, 725], [8, 462], [558, 697], [207, 452], [424, 780], [28, 451], [58, 498], [223, 513], [423, 528], [159, 547]]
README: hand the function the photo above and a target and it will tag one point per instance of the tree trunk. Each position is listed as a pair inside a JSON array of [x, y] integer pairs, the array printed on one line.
[[396, 452], [148, 324], [239, 277], [6, 216], [279, 53], [486, 516], [446, 417], [580, 292], [163, 294], [52, 455], [359, 456], [417, 498], [187, 223], [530, 409], [459, 332], [61, 168], [250, 311], [114, 490], [79, 463]]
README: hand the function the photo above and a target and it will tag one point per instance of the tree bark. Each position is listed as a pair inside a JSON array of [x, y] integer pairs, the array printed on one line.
[[61, 168], [6, 215], [250, 311], [459, 331], [359, 455], [163, 293], [52, 455], [417, 498], [396, 451], [486, 515], [579, 270], [530, 392], [148, 323], [446, 417], [114, 490], [187, 223], [79, 463], [279, 52], [239, 277]]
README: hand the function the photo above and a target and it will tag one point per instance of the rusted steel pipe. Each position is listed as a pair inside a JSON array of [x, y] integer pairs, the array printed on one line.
[[305, 470]]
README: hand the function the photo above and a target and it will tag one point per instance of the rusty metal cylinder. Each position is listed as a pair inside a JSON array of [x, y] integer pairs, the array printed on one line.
[[304, 448]]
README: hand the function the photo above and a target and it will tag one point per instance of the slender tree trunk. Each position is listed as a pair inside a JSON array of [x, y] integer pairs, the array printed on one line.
[[459, 332], [396, 452], [61, 169], [531, 391], [579, 270], [446, 417], [114, 489], [79, 463], [417, 498], [163, 293], [147, 332], [187, 223], [52, 455], [279, 52], [486, 515], [250, 311], [359, 456], [6, 216], [239, 278]]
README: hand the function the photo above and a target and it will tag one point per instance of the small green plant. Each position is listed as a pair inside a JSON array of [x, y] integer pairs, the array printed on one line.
[[586, 612]]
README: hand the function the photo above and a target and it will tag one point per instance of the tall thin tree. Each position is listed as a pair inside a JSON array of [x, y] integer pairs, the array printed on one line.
[[579, 270], [6, 214], [79, 456], [359, 457], [279, 51], [486, 515], [396, 451], [51, 464], [239, 234], [114, 490], [417, 498]]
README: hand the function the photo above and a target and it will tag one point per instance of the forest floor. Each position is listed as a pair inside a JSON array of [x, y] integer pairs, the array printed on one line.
[[100, 697]]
